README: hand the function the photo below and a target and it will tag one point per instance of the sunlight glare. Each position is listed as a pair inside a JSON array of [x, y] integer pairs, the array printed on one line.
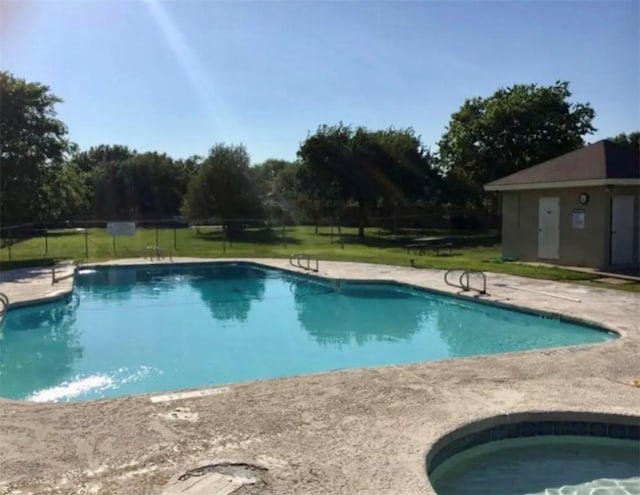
[[217, 112]]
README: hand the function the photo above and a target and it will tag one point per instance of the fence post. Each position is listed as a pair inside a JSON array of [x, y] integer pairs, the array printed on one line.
[[10, 242], [284, 235], [175, 238], [157, 244], [46, 242], [86, 242]]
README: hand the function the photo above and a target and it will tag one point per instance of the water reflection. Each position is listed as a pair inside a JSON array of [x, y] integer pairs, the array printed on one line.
[[110, 284], [39, 344], [358, 314], [465, 329], [226, 289], [230, 291]]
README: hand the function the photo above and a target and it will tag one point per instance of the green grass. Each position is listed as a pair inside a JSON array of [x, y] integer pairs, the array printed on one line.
[[471, 251]]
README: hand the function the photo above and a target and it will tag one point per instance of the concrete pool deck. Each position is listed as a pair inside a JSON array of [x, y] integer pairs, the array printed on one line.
[[356, 431]]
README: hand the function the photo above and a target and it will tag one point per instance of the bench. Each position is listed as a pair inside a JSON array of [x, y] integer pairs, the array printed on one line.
[[436, 248], [418, 247], [422, 247]]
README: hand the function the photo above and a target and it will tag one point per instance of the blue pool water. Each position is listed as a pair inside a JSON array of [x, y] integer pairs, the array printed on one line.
[[149, 329], [563, 465]]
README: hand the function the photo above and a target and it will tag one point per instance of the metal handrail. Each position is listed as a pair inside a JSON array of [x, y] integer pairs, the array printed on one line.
[[484, 281], [298, 262], [446, 279], [4, 304], [61, 264], [463, 280]]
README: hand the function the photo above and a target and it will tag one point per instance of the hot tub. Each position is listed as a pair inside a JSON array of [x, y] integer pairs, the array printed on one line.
[[543, 453]]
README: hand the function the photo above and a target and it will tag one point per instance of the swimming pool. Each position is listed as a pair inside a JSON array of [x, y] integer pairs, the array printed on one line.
[[158, 328]]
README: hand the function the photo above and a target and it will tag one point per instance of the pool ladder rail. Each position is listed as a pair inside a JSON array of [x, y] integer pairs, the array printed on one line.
[[61, 265], [464, 281], [297, 261], [4, 305]]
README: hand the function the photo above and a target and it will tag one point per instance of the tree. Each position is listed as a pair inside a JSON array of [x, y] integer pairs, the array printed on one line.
[[189, 167], [631, 140], [340, 165], [411, 179], [99, 169], [156, 185], [33, 149], [144, 186], [410, 174], [65, 193], [278, 184], [125, 184], [224, 187], [336, 170], [513, 129], [97, 156]]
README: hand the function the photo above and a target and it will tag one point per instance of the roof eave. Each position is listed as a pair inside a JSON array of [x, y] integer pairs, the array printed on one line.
[[492, 186]]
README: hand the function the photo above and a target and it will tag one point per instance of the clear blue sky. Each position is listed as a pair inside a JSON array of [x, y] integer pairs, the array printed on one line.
[[179, 76]]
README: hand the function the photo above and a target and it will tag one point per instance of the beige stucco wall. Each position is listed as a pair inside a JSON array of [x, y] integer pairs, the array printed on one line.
[[578, 247]]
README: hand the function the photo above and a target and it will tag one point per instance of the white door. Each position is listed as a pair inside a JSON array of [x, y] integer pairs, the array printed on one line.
[[621, 230], [549, 228]]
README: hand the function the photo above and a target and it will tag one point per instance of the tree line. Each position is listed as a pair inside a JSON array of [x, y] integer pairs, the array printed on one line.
[[342, 172]]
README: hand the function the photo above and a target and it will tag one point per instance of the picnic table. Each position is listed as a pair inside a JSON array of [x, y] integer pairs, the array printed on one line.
[[434, 244]]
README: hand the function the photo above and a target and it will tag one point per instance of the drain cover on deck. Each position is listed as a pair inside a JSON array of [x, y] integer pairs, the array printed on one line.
[[221, 478]]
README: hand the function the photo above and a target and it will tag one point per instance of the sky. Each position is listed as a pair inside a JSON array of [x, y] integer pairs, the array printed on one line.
[[180, 76]]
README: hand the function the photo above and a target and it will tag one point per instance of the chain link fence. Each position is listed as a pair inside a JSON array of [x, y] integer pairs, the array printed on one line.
[[31, 244]]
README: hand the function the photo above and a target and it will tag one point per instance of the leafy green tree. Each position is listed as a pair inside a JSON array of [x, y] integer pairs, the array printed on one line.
[[143, 186], [513, 129], [337, 168], [341, 165], [224, 187], [97, 156], [188, 168], [125, 184], [159, 186], [33, 149], [631, 140], [279, 189], [411, 174], [65, 193], [98, 167]]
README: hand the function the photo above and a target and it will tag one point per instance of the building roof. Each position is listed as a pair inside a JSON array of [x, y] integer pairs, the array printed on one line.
[[599, 164]]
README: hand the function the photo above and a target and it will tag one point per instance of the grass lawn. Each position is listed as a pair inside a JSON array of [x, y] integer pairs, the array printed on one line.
[[471, 251]]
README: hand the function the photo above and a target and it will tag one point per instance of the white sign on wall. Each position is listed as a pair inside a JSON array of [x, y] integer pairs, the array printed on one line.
[[121, 228]]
